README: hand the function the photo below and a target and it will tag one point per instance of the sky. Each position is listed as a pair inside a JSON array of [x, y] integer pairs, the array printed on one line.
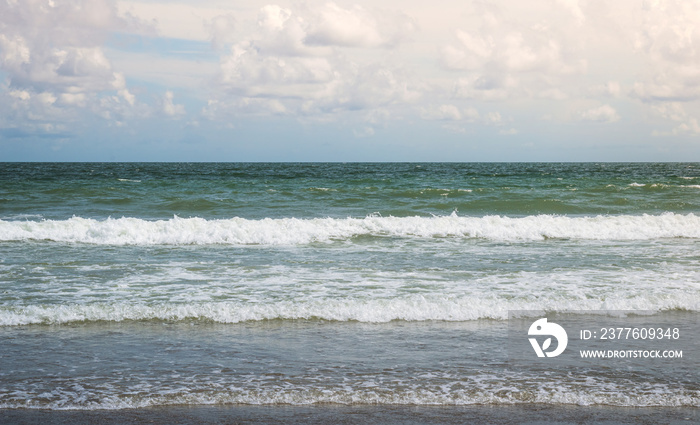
[[383, 80]]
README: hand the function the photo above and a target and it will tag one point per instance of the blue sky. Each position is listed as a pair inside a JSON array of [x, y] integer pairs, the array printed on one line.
[[210, 80]]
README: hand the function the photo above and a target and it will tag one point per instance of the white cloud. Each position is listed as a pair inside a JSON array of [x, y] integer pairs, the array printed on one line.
[[168, 71], [375, 85], [690, 127], [345, 27], [282, 33], [46, 98], [669, 39], [609, 89], [442, 113], [562, 51], [249, 72], [20, 94], [316, 61], [32, 111], [493, 118], [51, 53], [471, 114], [222, 109], [15, 51], [222, 30], [486, 87], [366, 131], [553, 94], [676, 113], [673, 111], [178, 20], [77, 99], [499, 43], [450, 112], [126, 95], [461, 65], [357, 27], [169, 107], [455, 119], [601, 114], [613, 88], [575, 9]]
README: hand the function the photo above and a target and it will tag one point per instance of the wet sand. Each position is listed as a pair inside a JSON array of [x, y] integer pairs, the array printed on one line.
[[531, 414]]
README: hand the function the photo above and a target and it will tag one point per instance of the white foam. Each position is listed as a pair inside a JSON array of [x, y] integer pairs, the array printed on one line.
[[415, 393], [293, 231], [22, 217], [407, 308], [323, 189]]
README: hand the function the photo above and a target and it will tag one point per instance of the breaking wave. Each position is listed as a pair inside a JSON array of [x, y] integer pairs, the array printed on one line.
[[294, 231], [412, 308]]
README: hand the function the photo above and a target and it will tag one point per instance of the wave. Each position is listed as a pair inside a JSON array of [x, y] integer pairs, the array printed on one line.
[[417, 393], [293, 231], [411, 308]]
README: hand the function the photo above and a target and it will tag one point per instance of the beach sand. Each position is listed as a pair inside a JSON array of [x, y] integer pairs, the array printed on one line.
[[530, 414]]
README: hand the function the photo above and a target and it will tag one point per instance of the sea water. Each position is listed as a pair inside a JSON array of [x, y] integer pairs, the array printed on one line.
[[128, 285]]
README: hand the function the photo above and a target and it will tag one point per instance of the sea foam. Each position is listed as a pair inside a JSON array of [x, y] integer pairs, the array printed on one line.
[[294, 231], [411, 308], [421, 391]]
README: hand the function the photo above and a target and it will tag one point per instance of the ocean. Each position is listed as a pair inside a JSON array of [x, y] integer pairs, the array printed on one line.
[[332, 287]]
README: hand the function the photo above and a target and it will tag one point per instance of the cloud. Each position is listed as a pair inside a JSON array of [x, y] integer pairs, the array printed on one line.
[[455, 118], [575, 9], [169, 107], [504, 45], [375, 85], [57, 44], [463, 67], [221, 28], [357, 26], [222, 109], [503, 52], [601, 114], [492, 87], [276, 62], [442, 113], [609, 89], [336, 26], [363, 132], [282, 33], [675, 112], [669, 39], [51, 54], [178, 20], [309, 61], [493, 118], [553, 94]]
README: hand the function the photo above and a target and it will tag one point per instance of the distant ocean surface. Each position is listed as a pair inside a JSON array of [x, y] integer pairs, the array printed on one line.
[[128, 285]]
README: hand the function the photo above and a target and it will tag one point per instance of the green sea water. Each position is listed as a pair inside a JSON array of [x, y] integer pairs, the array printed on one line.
[[155, 284], [311, 190]]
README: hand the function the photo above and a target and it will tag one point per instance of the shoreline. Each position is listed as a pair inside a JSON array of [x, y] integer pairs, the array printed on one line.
[[340, 414]]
